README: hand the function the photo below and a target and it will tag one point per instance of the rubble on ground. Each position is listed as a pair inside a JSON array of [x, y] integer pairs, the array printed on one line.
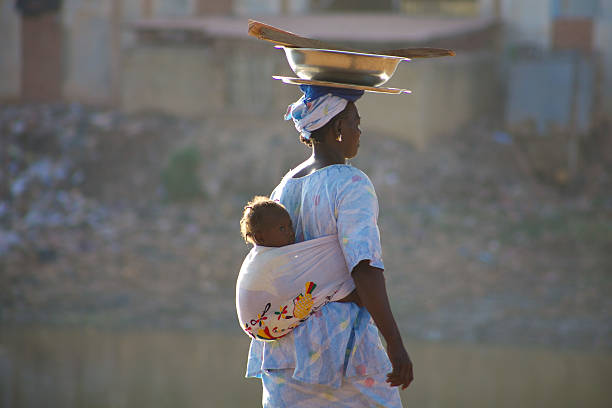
[[475, 249]]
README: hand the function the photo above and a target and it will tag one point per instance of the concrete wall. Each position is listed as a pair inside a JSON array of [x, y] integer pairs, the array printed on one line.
[[92, 41], [10, 49], [232, 77], [603, 39], [204, 79], [173, 8], [87, 45], [87, 55], [185, 81], [528, 21], [488, 8], [447, 94], [251, 8]]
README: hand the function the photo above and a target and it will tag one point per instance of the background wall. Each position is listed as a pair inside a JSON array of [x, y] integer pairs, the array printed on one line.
[[88, 58], [10, 51], [96, 36]]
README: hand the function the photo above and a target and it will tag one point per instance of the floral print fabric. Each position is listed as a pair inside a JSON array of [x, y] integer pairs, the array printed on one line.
[[366, 391]]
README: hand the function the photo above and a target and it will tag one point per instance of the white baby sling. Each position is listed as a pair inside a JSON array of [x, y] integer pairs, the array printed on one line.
[[279, 288]]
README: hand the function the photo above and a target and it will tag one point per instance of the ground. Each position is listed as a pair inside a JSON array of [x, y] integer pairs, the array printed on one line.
[[477, 248]]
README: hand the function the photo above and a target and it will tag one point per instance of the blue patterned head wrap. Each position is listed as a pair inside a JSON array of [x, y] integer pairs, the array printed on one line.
[[319, 105], [312, 92]]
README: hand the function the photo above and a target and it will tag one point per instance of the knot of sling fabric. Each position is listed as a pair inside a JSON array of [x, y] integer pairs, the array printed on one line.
[[317, 106]]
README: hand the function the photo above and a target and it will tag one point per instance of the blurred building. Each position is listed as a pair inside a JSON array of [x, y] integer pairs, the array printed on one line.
[[193, 57], [563, 39]]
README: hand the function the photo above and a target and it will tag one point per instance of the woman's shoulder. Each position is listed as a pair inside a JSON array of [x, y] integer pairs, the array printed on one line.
[[348, 175], [337, 173], [354, 173], [348, 170], [335, 176]]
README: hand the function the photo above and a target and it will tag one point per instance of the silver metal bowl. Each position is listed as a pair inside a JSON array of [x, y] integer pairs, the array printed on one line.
[[341, 66]]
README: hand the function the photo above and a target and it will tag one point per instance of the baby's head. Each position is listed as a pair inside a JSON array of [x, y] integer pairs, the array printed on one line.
[[266, 223]]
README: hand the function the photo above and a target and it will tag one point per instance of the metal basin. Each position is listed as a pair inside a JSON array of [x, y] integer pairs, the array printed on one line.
[[341, 66]]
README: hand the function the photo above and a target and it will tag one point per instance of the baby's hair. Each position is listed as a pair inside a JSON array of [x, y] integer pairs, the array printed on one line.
[[253, 214]]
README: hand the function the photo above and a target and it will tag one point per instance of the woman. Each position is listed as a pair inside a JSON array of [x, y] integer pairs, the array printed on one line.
[[335, 358]]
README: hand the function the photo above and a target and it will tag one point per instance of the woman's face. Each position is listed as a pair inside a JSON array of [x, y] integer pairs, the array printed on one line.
[[349, 129]]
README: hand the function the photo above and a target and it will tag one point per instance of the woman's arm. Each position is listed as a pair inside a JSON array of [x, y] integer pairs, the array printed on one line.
[[370, 284]]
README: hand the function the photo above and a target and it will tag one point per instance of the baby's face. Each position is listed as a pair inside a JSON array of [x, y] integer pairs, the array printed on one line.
[[277, 231]]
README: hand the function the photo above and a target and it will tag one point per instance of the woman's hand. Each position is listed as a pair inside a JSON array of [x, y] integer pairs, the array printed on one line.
[[402, 366]]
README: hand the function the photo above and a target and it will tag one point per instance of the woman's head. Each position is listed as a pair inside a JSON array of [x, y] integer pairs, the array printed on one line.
[[318, 107], [341, 133], [267, 223]]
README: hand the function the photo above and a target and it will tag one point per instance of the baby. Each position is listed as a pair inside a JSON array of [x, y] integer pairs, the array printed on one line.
[[260, 290], [266, 223]]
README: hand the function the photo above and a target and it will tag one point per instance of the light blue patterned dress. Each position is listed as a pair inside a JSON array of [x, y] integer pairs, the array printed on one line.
[[336, 357]]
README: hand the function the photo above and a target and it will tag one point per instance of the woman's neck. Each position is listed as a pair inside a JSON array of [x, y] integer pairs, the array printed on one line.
[[323, 156]]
